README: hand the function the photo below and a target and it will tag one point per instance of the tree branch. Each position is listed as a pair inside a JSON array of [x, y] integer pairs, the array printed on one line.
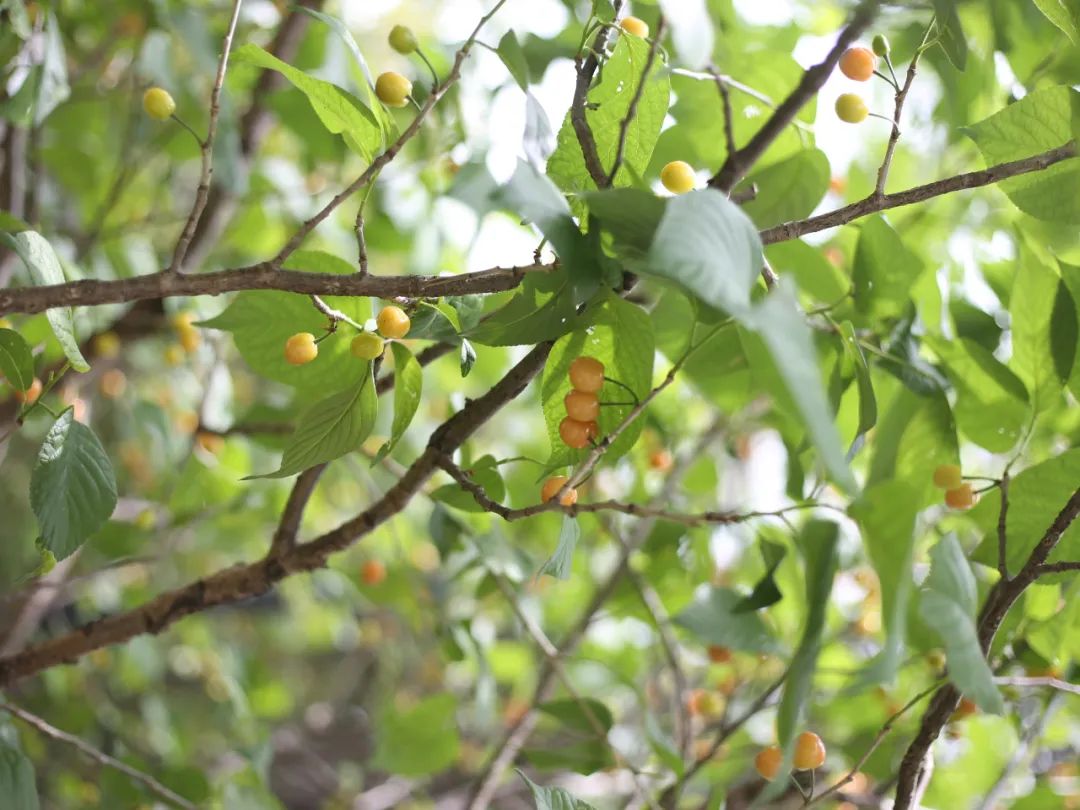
[[738, 163], [586, 69], [1057, 568], [206, 147], [289, 525], [874, 204], [261, 276], [998, 602], [894, 136], [151, 784], [391, 152], [244, 581]]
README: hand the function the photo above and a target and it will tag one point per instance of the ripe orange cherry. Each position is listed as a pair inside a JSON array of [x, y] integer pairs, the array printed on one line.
[[31, 394], [636, 26], [661, 460], [301, 348], [393, 322], [582, 406], [703, 703], [372, 572], [576, 434], [963, 497], [718, 654], [768, 761], [551, 488], [809, 751], [587, 374], [858, 63], [947, 476], [966, 708]]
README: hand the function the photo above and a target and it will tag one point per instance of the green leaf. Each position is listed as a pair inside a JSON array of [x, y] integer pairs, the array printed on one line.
[[419, 740], [631, 215], [707, 245], [713, 619], [782, 328], [609, 102], [813, 273], [262, 320], [867, 399], [339, 111], [1036, 496], [765, 592], [788, 190], [408, 386], [951, 33], [373, 104], [12, 224], [571, 714], [485, 473], [331, 427], [619, 335], [1040, 121], [818, 543], [886, 517], [561, 561], [1032, 307], [1065, 14], [44, 266], [947, 604], [72, 487], [16, 361], [509, 50], [537, 200], [17, 784], [553, 798], [991, 402], [466, 358], [541, 309], [884, 272]]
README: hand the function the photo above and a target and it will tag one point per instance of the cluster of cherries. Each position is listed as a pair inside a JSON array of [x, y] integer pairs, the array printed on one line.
[[582, 404], [958, 493], [859, 64], [393, 323]]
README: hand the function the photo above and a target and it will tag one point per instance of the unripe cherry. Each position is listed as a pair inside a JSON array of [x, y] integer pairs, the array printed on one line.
[[393, 322], [393, 89], [635, 25], [366, 346], [678, 177], [851, 109], [402, 39], [158, 104], [301, 349]]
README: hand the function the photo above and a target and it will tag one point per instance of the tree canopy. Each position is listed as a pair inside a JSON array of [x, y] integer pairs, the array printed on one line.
[[676, 403]]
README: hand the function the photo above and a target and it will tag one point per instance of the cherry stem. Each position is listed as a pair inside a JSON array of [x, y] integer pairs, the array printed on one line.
[[881, 75], [612, 404], [431, 68], [629, 390], [184, 124]]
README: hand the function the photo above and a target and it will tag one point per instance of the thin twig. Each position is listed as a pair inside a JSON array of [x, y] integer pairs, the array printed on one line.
[[737, 164], [1057, 568], [639, 91], [99, 757], [1002, 533], [586, 69], [391, 152], [333, 315], [883, 732], [1053, 683], [207, 148], [729, 115], [901, 97]]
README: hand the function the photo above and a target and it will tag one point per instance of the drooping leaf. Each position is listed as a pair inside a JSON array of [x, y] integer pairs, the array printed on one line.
[[339, 111], [572, 714], [72, 488], [886, 517], [16, 361], [766, 592], [1065, 14], [44, 266], [818, 543], [541, 309], [619, 335], [331, 427], [17, 784], [419, 740], [951, 32], [861, 369], [408, 386], [561, 561], [1040, 121], [1033, 305], [947, 603], [556, 798], [884, 271], [509, 50], [713, 619]]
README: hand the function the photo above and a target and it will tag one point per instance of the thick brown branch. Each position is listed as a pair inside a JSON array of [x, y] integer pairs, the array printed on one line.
[[998, 602], [737, 164], [244, 581], [258, 277], [586, 69], [873, 203]]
